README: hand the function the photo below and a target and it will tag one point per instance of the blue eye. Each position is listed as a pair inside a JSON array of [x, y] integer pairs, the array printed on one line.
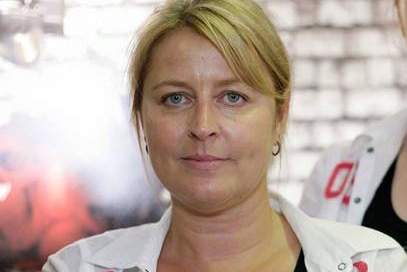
[[233, 98], [173, 99]]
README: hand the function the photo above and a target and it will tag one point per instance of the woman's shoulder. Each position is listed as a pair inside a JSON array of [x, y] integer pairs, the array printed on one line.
[[72, 256], [69, 257], [357, 246], [322, 233], [331, 244], [357, 237]]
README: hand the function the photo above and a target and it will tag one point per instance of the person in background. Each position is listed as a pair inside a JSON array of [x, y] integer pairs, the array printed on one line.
[[364, 182], [211, 91]]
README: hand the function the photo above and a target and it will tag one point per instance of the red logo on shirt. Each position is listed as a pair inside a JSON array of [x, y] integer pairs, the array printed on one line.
[[338, 179], [361, 266]]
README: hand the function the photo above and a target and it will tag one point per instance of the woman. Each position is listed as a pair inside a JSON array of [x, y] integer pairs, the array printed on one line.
[[211, 81], [365, 182]]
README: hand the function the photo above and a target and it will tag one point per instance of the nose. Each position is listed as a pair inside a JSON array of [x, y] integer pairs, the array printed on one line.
[[204, 124]]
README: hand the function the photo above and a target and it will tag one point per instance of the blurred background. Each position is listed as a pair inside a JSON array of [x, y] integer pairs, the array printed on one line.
[[69, 163]]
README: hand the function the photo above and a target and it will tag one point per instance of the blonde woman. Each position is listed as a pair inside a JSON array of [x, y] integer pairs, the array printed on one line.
[[211, 89], [365, 182]]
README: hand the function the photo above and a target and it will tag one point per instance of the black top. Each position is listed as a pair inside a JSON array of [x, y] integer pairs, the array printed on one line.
[[300, 267], [381, 215]]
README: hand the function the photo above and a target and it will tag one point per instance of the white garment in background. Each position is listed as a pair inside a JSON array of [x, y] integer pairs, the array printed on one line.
[[345, 179]]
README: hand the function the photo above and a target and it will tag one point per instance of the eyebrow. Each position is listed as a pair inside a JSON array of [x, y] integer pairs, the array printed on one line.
[[174, 83], [183, 84], [228, 81]]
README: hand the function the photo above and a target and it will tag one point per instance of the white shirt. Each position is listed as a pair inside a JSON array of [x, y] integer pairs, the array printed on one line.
[[327, 246], [345, 179]]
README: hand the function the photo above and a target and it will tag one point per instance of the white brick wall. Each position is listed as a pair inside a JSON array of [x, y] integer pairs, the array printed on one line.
[[319, 43], [328, 75], [353, 73], [328, 102], [344, 13], [349, 64], [372, 103], [369, 42]]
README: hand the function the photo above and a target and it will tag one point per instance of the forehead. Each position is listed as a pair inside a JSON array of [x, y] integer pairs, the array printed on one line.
[[186, 43], [184, 51]]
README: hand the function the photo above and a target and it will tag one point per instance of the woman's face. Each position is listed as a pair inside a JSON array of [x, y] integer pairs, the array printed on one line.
[[209, 135]]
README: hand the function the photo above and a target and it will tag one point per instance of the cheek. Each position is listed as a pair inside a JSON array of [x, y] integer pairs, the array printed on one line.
[[262, 142], [253, 142], [162, 133]]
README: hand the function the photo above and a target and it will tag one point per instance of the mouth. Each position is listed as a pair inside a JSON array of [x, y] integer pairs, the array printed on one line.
[[204, 162]]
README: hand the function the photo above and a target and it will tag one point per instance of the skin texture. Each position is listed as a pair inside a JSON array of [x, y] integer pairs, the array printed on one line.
[[399, 187], [210, 138]]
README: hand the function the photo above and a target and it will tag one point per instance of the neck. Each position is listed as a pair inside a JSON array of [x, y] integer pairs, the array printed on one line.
[[247, 236]]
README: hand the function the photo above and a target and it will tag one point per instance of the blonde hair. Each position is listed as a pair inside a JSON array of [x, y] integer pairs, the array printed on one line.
[[401, 14], [239, 29]]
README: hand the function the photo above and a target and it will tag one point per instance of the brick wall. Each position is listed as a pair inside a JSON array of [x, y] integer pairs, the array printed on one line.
[[348, 62]]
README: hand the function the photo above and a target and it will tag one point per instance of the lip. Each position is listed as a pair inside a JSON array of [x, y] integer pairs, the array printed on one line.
[[204, 162]]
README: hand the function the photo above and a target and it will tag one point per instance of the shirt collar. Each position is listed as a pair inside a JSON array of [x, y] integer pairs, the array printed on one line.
[[315, 242], [329, 243], [137, 247]]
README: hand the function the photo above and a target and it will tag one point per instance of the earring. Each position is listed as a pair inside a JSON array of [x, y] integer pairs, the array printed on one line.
[[146, 147], [276, 148]]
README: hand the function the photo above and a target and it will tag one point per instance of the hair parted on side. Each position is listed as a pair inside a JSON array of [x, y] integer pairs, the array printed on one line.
[[239, 29]]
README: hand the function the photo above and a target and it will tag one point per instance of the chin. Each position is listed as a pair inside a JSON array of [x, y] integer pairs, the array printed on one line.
[[207, 200]]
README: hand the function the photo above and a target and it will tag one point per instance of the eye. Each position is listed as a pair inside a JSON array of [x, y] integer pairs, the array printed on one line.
[[173, 99], [233, 98]]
